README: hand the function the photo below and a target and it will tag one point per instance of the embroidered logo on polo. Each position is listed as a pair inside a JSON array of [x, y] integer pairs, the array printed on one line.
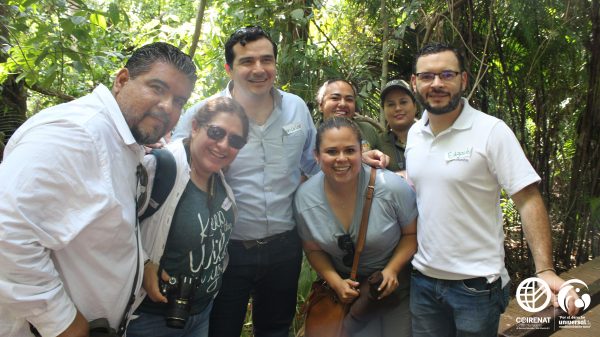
[[463, 155]]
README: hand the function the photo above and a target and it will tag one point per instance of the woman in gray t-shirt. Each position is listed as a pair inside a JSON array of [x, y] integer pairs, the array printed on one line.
[[328, 211]]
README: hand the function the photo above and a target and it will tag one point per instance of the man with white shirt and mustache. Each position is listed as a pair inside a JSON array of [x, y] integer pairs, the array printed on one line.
[[69, 248]]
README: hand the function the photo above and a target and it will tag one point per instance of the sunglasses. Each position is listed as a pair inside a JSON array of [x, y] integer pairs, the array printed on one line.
[[217, 133], [345, 244]]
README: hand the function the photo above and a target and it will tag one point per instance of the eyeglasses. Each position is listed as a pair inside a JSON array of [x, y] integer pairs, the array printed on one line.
[[446, 75], [345, 243], [217, 133]]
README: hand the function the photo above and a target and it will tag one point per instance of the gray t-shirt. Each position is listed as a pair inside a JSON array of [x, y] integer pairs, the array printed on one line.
[[394, 206]]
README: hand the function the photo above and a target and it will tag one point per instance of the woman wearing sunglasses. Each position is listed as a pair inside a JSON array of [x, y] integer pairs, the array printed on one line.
[[186, 239], [328, 211]]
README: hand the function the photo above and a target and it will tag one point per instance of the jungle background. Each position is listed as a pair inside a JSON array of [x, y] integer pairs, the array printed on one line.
[[535, 64]]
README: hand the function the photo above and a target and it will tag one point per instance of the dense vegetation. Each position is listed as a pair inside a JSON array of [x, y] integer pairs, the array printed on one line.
[[535, 64]]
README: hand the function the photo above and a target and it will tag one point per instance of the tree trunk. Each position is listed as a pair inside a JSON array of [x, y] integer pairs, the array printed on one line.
[[13, 97], [198, 29]]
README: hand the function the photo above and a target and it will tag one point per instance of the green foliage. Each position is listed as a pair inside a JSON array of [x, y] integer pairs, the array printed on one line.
[[307, 277], [60, 45], [527, 60], [70, 47]]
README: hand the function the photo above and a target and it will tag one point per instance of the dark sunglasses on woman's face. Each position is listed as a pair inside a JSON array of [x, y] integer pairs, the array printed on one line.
[[345, 243], [217, 133]]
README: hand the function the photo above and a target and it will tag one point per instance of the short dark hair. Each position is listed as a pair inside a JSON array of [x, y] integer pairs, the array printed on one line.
[[321, 92], [144, 57], [222, 104], [243, 36], [435, 48], [337, 123]]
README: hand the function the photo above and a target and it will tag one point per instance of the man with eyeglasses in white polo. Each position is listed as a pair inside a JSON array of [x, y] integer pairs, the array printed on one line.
[[459, 159]]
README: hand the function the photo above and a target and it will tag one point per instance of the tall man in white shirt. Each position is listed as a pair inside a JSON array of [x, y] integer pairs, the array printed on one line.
[[264, 250], [459, 159], [69, 248]]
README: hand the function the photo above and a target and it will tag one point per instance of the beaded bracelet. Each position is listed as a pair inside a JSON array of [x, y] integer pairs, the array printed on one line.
[[546, 269]]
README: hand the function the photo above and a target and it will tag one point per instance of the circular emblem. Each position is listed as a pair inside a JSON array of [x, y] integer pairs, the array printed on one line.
[[533, 294], [564, 295]]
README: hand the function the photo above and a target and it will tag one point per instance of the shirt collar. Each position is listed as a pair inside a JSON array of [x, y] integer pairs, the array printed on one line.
[[116, 115], [465, 119]]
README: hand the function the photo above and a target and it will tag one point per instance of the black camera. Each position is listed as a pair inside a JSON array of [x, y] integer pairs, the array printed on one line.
[[179, 291]]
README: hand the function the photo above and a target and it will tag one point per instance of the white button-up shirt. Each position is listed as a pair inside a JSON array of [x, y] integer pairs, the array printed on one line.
[[67, 217]]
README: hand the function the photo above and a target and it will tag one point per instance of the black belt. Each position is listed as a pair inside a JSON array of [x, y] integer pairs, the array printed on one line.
[[249, 244], [477, 280]]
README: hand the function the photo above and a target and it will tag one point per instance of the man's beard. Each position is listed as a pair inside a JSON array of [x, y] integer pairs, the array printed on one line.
[[453, 104], [145, 136], [142, 137]]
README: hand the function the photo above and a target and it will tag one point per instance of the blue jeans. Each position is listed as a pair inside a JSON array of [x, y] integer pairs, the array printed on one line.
[[155, 326], [267, 272], [462, 308]]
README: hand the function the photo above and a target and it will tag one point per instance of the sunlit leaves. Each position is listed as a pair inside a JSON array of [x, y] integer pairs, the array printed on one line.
[[114, 14], [298, 15], [98, 20], [77, 20]]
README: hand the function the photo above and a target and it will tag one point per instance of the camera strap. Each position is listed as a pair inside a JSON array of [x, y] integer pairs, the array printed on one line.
[[123, 324], [94, 325], [125, 318]]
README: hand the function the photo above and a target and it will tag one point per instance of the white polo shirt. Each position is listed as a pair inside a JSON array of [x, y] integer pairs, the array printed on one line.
[[458, 176]]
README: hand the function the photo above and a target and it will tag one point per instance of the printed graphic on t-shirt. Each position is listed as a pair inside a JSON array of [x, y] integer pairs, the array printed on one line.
[[212, 248]]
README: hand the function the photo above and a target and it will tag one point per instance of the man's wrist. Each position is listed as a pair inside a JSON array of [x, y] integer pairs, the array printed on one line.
[[543, 270]]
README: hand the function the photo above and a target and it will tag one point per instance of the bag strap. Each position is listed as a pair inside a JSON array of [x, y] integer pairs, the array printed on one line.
[[164, 180], [364, 222]]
